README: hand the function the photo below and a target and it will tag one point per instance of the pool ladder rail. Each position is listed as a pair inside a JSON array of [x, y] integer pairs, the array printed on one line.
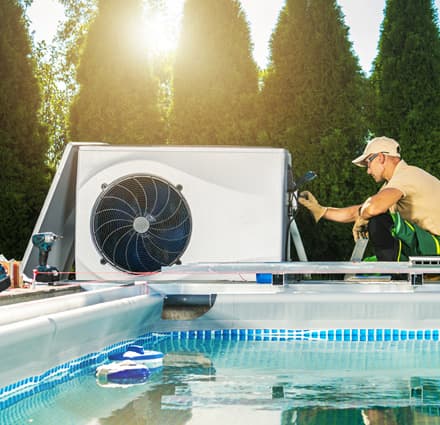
[[417, 269]]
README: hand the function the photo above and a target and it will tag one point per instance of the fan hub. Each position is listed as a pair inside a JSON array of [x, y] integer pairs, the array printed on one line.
[[141, 224]]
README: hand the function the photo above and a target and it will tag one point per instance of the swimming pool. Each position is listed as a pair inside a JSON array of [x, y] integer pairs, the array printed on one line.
[[277, 353], [257, 375]]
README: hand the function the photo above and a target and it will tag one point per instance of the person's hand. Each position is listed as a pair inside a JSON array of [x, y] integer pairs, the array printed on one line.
[[360, 229], [307, 199]]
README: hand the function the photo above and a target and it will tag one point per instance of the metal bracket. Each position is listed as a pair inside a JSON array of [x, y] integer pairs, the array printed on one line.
[[418, 279]]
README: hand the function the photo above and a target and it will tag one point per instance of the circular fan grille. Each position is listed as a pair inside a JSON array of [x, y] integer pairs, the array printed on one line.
[[140, 223]]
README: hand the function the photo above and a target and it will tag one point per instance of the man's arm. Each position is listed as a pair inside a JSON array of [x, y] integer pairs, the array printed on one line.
[[342, 215], [380, 203], [374, 205]]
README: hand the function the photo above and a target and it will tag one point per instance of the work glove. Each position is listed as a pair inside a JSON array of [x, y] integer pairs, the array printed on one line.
[[360, 229], [307, 199]]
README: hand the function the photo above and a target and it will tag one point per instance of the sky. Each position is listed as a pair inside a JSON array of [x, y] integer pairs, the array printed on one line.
[[363, 17]]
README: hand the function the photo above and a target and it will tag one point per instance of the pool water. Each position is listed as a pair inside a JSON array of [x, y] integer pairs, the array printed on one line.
[[218, 381]]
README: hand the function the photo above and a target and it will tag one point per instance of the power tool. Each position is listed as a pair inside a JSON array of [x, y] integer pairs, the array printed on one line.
[[44, 242], [5, 280]]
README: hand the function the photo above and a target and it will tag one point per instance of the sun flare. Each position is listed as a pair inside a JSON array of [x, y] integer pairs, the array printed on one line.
[[162, 26]]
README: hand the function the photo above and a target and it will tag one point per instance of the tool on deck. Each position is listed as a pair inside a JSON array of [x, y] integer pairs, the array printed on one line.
[[5, 280], [44, 242], [357, 255], [359, 249]]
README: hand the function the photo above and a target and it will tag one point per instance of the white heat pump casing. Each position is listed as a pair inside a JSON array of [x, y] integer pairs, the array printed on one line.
[[236, 197]]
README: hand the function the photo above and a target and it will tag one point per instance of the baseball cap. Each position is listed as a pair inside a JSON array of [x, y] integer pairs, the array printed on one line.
[[378, 145]]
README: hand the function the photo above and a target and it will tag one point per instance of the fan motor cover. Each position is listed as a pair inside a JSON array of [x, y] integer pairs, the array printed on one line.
[[140, 223]]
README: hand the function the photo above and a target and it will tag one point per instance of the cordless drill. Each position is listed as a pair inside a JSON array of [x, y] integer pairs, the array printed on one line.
[[44, 242]]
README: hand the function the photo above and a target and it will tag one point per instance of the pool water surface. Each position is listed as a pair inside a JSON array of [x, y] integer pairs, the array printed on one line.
[[217, 381]]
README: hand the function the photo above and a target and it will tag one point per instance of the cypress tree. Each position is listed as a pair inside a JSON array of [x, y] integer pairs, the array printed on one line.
[[312, 104], [56, 70], [215, 76], [406, 79], [118, 96], [23, 140]]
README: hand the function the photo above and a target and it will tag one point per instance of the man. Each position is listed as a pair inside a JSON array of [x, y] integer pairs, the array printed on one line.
[[403, 218]]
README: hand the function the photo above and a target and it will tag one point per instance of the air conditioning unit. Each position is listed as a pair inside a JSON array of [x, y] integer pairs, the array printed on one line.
[[141, 208]]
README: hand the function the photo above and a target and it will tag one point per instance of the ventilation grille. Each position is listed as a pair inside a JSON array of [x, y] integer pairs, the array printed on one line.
[[141, 223]]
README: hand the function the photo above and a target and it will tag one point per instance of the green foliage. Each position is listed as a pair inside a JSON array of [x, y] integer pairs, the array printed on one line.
[[312, 103], [215, 76], [56, 73], [56, 96], [23, 141], [406, 80], [118, 97], [315, 100]]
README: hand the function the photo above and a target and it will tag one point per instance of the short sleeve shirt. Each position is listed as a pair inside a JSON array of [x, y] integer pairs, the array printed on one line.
[[420, 203]]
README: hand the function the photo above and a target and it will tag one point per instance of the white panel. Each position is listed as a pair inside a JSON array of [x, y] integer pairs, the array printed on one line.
[[236, 197], [58, 214]]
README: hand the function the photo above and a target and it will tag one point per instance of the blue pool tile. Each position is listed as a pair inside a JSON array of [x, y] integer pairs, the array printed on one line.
[[379, 335]]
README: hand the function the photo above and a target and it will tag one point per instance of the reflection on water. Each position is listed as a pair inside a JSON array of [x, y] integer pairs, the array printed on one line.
[[258, 382]]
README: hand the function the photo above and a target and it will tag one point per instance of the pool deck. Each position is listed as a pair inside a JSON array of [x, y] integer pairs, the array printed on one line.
[[18, 295]]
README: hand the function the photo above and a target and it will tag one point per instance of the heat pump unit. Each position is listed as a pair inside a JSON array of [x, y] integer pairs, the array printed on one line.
[[141, 208]]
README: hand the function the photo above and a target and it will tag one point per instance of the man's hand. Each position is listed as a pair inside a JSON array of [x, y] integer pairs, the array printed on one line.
[[360, 228], [309, 201]]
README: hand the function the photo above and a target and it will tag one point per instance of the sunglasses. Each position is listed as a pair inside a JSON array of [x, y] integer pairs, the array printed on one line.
[[372, 158]]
